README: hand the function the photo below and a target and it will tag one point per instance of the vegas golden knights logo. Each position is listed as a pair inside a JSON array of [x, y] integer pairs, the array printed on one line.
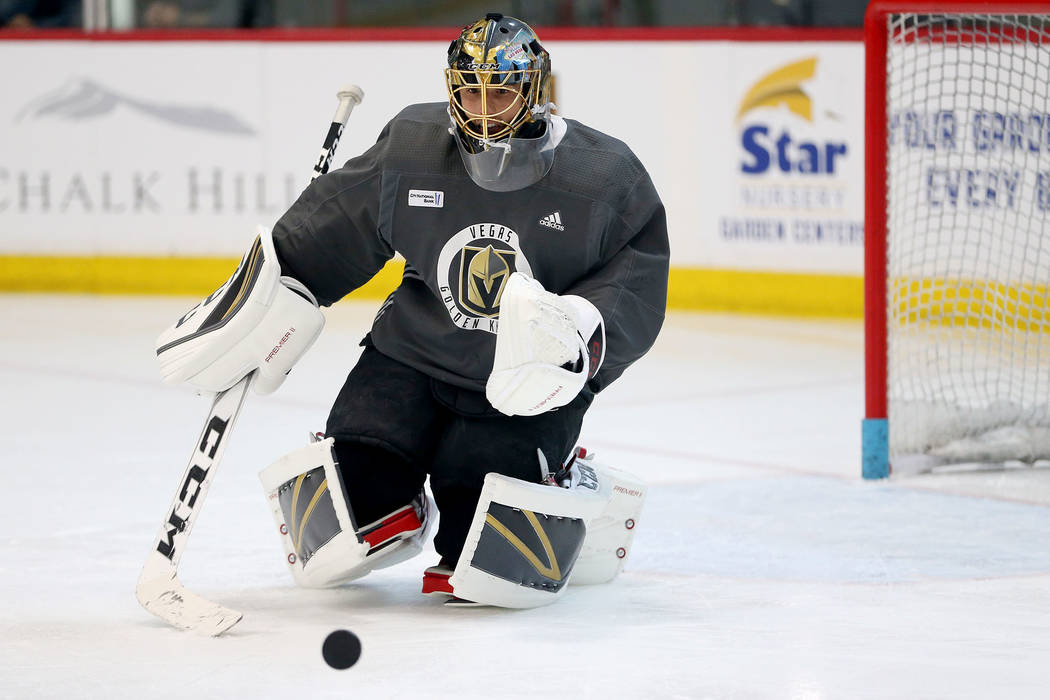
[[482, 278], [472, 271]]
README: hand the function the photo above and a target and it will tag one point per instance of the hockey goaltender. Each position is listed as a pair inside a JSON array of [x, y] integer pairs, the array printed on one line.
[[536, 272]]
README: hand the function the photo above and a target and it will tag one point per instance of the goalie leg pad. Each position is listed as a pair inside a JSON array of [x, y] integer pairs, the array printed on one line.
[[610, 534], [528, 540], [323, 544], [523, 542]]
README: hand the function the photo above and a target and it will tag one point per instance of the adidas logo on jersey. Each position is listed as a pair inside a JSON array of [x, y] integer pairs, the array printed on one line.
[[553, 221]]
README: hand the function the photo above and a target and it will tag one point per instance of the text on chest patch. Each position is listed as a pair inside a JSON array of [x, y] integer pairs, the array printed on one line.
[[426, 198]]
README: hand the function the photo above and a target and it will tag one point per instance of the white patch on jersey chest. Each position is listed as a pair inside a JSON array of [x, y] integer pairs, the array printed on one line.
[[426, 198]]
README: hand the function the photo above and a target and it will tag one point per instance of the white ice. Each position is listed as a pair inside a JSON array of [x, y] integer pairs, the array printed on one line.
[[763, 566]]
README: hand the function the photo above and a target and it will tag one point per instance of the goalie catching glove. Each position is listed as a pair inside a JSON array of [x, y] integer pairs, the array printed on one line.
[[547, 347], [257, 320]]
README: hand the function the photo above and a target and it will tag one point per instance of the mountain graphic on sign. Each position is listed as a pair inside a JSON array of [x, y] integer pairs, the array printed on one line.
[[782, 87], [82, 98]]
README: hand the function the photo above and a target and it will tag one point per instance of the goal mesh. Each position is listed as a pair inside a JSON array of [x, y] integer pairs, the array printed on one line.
[[967, 238]]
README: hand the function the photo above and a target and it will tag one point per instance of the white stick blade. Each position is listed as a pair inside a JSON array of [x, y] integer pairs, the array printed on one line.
[[180, 607]]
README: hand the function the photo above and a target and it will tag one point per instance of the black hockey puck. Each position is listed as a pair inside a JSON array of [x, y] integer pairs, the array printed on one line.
[[341, 649]]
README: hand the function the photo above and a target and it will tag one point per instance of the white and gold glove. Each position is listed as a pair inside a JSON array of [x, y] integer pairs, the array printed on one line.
[[547, 347]]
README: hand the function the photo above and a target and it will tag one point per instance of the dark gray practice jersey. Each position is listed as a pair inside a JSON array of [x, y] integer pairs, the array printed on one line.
[[593, 226]]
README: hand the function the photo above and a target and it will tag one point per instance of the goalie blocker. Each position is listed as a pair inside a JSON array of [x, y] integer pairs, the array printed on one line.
[[257, 320], [527, 541]]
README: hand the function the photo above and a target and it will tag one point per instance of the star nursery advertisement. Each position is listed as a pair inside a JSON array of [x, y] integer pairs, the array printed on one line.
[[792, 179]]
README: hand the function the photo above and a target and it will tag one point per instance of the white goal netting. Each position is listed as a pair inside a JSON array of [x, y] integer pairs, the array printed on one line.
[[968, 238]]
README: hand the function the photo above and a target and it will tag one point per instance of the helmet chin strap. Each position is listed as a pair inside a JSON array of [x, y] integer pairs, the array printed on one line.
[[544, 110], [505, 145]]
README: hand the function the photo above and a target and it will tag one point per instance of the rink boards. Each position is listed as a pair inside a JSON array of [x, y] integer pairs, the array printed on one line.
[[143, 166]]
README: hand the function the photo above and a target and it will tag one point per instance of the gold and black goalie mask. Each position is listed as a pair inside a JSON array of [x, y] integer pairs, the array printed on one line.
[[497, 75]]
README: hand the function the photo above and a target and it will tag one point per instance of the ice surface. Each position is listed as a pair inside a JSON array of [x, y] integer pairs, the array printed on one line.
[[763, 566]]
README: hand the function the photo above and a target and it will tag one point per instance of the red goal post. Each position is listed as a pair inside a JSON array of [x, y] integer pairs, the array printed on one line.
[[957, 249]]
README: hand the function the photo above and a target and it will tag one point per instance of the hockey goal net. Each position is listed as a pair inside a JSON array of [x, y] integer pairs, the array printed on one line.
[[957, 235]]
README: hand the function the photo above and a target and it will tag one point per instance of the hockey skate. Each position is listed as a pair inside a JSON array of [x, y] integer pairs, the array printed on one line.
[[435, 579], [436, 583]]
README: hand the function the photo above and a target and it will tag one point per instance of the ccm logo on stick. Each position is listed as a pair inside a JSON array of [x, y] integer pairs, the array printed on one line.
[[194, 479]]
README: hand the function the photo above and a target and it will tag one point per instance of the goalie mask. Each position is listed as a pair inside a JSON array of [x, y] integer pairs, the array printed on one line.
[[498, 80]]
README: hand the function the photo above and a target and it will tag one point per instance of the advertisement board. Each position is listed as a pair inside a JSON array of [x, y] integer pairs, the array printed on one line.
[[179, 149]]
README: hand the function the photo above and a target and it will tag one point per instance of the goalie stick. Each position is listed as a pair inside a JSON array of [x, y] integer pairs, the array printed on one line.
[[158, 589]]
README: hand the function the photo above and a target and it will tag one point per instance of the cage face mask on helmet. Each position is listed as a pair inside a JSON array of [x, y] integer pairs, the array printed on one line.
[[498, 80]]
